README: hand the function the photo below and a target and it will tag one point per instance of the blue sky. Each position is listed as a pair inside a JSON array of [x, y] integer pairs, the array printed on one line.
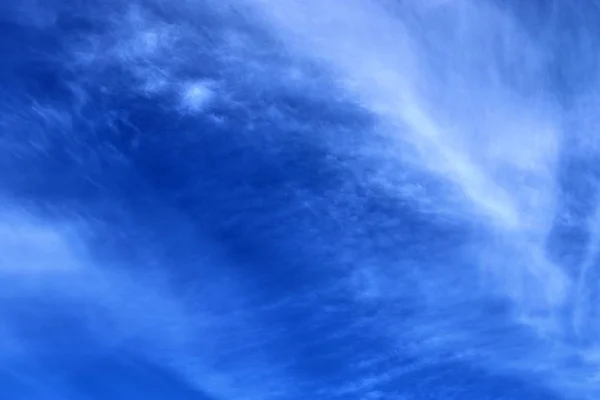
[[286, 199]]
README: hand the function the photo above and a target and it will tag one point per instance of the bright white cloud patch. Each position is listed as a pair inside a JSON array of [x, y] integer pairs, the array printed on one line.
[[30, 248], [196, 96]]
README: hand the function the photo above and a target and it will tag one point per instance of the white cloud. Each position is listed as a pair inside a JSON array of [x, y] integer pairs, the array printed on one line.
[[431, 77], [196, 95], [120, 309], [463, 86]]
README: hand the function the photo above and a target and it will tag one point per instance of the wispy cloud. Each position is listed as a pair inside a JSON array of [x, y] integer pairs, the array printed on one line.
[[121, 311], [466, 129], [464, 90]]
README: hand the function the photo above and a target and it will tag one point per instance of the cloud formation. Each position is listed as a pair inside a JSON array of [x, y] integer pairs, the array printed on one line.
[[298, 198]]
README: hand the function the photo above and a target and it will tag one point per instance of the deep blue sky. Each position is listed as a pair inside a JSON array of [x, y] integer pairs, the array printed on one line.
[[362, 199]]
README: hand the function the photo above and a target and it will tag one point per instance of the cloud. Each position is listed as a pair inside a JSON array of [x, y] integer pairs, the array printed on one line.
[[196, 95], [47, 273], [466, 130], [463, 90]]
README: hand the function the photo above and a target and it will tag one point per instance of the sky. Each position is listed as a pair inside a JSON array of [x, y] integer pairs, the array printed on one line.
[[299, 199]]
